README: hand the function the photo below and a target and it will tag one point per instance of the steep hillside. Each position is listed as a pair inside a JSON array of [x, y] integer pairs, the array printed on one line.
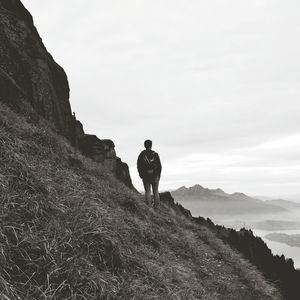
[[33, 84], [70, 230], [276, 268], [214, 202]]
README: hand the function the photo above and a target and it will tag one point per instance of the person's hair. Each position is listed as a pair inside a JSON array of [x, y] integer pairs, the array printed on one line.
[[148, 144]]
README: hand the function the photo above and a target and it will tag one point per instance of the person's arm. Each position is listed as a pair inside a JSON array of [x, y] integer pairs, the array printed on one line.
[[139, 164], [159, 165]]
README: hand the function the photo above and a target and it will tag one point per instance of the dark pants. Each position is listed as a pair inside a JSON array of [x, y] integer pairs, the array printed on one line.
[[147, 185]]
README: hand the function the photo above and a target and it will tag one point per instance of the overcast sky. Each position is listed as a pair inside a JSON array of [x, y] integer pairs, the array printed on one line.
[[214, 84]]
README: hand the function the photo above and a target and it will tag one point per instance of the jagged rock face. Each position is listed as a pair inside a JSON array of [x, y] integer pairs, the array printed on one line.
[[30, 80], [103, 151], [123, 174], [32, 83], [79, 132], [92, 147]]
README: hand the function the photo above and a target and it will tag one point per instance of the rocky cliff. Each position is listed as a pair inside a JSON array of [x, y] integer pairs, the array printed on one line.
[[33, 84], [103, 151], [30, 80]]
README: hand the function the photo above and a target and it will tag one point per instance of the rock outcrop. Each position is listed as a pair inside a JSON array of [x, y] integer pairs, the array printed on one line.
[[33, 84], [103, 151], [30, 80]]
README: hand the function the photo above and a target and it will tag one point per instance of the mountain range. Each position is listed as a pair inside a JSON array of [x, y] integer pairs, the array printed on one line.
[[217, 202]]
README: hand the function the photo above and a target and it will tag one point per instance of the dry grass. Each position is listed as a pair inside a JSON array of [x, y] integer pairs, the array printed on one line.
[[70, 230]]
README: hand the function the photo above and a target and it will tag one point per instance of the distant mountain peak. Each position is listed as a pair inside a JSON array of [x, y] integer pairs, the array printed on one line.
[[216, 201], [199, 188], [196, 187], [219, 192], [182, 188], [238, 194]]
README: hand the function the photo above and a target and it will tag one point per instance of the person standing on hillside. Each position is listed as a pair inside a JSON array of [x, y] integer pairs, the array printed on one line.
[[149, 168]]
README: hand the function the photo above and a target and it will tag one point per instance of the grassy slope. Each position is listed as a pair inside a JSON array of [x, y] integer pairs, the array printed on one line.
[[69, 230]]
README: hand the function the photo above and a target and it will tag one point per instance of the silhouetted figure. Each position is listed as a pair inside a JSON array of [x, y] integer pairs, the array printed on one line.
[[149, 168]]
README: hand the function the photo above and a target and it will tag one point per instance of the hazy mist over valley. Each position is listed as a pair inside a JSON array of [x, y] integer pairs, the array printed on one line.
[[265, 217]]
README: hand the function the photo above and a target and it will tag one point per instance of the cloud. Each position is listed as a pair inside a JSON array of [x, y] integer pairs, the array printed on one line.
[[269, 168], [209, 81]]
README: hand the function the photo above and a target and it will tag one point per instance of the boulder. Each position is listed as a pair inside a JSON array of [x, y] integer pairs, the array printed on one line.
[[103, 151]]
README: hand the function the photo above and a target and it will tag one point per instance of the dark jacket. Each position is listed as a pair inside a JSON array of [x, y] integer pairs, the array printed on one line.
[[142, 165]]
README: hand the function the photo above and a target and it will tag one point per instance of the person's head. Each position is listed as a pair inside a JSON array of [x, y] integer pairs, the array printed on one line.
[[148, 144]]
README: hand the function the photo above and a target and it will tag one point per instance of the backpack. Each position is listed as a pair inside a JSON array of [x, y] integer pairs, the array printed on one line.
[[150, 163]]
